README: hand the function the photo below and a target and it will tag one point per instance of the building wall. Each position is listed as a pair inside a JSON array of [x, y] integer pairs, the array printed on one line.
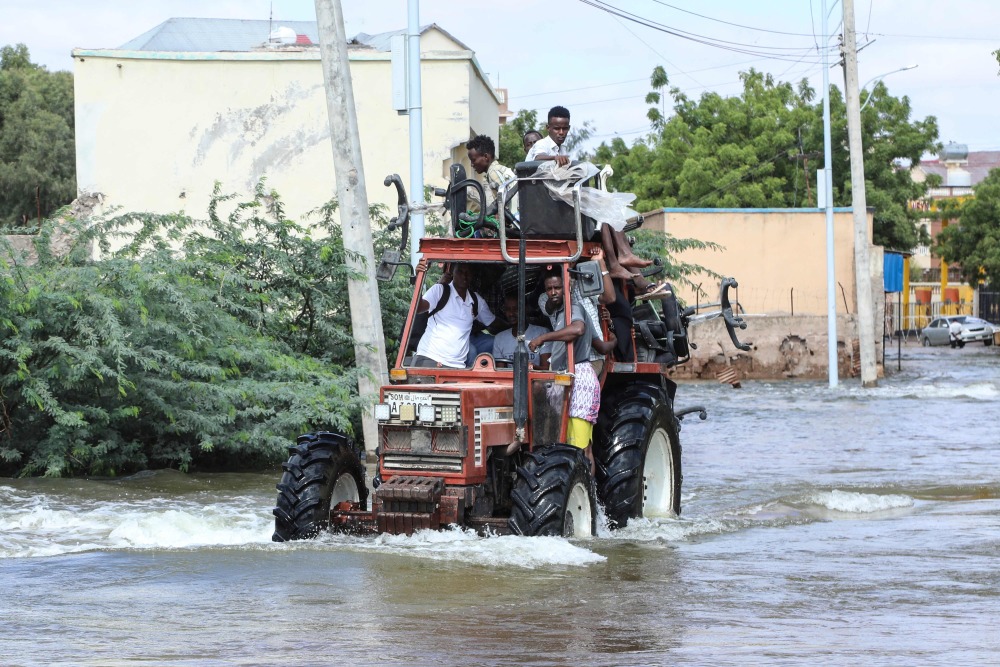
[[156, 130], [779, 258], [777, 255]]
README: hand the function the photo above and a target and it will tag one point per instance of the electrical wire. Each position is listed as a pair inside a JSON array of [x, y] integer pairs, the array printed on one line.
[[618, 83], [738, 25], [943, 38], [649, 46], [752, 172], [764, 51]]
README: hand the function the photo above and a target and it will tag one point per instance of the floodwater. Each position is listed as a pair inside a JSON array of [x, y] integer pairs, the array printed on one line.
[[836, 527]]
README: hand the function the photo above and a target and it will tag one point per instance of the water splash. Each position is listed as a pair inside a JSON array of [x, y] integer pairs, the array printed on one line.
[[495, 551], [850, 502]]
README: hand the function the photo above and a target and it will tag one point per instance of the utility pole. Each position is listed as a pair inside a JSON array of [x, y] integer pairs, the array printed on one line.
[[859, 204], [366, 311], [831, 280], [415, 108]]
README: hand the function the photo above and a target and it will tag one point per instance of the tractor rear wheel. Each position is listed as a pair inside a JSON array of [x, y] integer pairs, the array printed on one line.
[[323, 470], [554, 494], [638, 455]]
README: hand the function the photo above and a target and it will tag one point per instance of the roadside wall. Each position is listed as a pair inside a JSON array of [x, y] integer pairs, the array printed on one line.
[[779, 258], [781, 347]]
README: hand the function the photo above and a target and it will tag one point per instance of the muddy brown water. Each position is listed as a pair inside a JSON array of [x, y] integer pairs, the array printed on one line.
[[836, 527]]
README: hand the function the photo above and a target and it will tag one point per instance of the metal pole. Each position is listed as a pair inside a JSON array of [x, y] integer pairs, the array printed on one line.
[[366, 319], [831, 280], [859, 204], [416, 125]]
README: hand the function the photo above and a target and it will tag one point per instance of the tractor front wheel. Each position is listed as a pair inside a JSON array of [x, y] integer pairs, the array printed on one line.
[[323, 470], [638, 455], [554, 494]]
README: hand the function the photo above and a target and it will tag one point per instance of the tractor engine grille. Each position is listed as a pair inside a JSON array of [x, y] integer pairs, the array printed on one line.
[[418, 448]]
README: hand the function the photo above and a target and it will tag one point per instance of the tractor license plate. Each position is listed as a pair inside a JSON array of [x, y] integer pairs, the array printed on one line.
[[397, 398]]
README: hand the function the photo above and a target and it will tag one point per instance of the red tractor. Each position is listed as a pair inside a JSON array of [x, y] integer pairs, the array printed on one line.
[[483, 446]]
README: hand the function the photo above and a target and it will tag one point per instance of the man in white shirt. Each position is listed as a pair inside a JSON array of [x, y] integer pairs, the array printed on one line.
[[446, 340], [552, 147], [955, 334], [621, 261]]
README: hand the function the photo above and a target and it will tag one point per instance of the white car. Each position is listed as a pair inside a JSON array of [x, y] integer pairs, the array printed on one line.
[[974, 330]]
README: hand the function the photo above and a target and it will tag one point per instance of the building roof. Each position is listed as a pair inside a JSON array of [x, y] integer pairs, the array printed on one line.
[[978, 165], [209, 35]]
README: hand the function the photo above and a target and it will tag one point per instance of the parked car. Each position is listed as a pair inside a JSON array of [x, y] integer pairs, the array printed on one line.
[[974, 329]]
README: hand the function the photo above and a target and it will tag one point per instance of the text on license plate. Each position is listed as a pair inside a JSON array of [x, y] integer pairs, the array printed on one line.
[[397, 398]]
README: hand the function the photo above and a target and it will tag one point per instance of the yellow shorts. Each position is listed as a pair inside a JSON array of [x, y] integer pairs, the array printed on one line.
[[578, 432]]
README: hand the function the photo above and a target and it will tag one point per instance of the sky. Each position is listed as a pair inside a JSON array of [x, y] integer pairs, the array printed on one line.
[[571, 53]]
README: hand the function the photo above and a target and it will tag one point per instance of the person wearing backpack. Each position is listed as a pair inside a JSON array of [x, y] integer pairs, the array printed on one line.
[[452, 308]]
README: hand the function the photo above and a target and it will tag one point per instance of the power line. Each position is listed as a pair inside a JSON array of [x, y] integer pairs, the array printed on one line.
[[943, 38], [618, 83], [752, 172], [764, 51], [661, 56], [738, 25], [573, 90]]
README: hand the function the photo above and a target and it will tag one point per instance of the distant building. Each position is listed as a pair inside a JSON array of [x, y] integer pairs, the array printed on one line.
[[194, 101], [959, 170]]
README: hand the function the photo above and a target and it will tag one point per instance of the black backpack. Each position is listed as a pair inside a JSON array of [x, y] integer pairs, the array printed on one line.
[[420, 321], [446, 295]]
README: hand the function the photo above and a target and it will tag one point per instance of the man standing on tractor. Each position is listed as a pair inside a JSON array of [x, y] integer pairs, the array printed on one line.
[[585, 401]]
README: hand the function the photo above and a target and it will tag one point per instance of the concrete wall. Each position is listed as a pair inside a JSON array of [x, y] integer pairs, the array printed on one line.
[[781, 347], [779, 258], [155, 130], [777, 255]]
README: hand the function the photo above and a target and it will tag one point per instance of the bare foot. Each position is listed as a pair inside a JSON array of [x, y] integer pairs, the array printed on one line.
[[634, 262], [621, 273], [641, 284]]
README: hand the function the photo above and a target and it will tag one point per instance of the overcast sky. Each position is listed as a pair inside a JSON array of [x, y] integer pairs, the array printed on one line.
[[571, 53]]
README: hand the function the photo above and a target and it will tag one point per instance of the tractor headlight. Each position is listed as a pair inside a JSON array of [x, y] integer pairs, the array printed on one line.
[[449, 414], [382, 413], [426, 413]]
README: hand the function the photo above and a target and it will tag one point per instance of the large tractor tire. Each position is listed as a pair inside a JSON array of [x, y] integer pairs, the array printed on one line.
[[323, 470], [554, 494], [638, 455]]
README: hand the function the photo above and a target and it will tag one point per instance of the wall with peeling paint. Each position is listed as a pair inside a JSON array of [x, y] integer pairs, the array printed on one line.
[[777, 255], [155, 130], [781, 347]]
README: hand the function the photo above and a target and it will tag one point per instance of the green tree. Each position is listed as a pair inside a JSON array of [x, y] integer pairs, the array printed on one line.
[[975, 241], [195, 344], [511, 148], [37, 152], [761, 149]]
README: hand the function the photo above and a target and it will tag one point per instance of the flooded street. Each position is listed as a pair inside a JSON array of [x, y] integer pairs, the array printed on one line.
[[823, 526]]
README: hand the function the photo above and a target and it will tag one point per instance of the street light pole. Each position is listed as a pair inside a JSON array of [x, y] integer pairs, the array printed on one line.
[[831, 280], [879, 78], [859, 205]]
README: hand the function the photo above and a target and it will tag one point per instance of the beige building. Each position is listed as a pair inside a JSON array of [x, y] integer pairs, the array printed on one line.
[[195, 101], [778, 257]]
